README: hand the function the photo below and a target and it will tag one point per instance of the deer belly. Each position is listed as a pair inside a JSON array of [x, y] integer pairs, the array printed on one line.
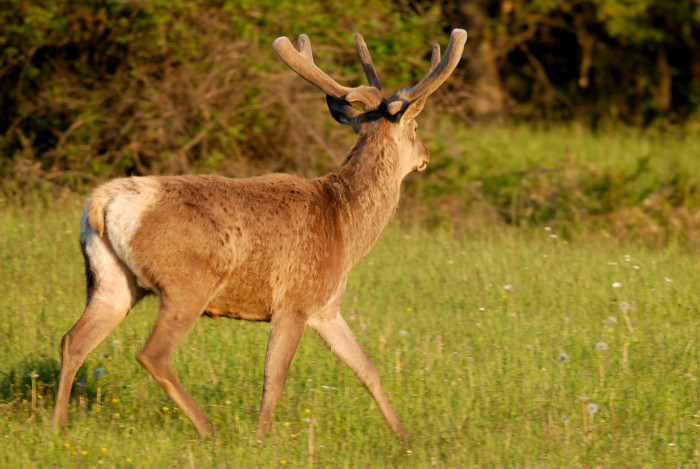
[[241, 302]]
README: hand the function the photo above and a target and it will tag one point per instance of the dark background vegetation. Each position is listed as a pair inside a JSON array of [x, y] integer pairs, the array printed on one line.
[[97, 89]]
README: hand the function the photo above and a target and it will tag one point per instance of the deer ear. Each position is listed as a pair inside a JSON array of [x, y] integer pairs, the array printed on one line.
[[413, 109], [341, 110]]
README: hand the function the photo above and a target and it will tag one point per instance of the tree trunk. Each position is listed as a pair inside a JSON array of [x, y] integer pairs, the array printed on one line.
[[488, 101], [664, 94]]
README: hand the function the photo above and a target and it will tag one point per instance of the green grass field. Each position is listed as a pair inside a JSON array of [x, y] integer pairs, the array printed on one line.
[[502, 348]]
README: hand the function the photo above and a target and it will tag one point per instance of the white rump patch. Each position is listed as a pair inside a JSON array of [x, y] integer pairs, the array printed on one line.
[[113, 284], [124, 211]]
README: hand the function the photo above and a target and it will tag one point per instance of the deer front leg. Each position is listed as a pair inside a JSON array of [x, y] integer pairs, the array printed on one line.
[[175, 319], [335, 332], [285, 335]]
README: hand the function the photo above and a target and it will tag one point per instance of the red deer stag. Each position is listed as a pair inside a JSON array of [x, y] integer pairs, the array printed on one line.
[[274, 248]]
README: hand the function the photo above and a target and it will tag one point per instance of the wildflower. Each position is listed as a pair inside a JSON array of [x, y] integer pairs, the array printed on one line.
[[66, 444], [115, 400], [308, 411], [601, 346], [286, 424], [165, 408], [103, 449], [33, 374], [562, 358], [668, 280], [99, 373], [84, 453], [624, 306], [507, 286], [293, 435], [409, 309], [591, 408], [583, 399], [616, 285]]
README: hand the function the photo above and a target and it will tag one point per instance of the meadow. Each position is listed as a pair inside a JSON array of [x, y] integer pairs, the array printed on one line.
[[497, 347]]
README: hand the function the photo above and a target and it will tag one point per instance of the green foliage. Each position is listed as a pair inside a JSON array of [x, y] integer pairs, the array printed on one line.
[[625, 182], [487, 345]]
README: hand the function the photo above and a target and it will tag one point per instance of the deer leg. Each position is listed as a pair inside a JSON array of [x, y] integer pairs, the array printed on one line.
[[335, 332], [107, 306], [285, 335], [175, 320]]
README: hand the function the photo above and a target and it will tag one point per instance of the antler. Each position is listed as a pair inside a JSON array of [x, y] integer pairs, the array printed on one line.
[[302, 62], [436, 75]]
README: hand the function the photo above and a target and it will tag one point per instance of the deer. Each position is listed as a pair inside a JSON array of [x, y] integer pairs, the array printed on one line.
[[276, 248]]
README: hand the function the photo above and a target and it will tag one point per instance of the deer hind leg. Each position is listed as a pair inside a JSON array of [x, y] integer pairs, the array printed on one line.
[[335, 332], [176, 318], [112, 292], [285, 335]]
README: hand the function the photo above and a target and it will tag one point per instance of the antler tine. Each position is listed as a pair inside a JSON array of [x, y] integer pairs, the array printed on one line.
[[367, 64], [435, 58], [439, 71], [302, 62]]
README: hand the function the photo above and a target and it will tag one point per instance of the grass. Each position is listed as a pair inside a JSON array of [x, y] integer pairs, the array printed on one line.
[[488, 345]]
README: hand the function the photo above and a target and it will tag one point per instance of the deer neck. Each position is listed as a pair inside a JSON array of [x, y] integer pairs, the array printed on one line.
[[364, 193]]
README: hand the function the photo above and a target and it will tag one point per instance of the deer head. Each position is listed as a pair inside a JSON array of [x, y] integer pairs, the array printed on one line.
[[393, 117]]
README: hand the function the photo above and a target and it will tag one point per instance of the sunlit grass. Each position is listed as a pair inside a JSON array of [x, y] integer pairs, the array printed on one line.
[[502, 348]]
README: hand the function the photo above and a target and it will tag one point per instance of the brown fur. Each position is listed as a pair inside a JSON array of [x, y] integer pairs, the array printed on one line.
[[273, 248]]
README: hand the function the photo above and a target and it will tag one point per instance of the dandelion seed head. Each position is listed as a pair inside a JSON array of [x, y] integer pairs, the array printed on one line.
[[617, 285], [591, 408], [601, 346], [116, 342], [668, 280], [99, 373], [612, 320], [624, 306], [508, 287], [403, 333], [562, 358]]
